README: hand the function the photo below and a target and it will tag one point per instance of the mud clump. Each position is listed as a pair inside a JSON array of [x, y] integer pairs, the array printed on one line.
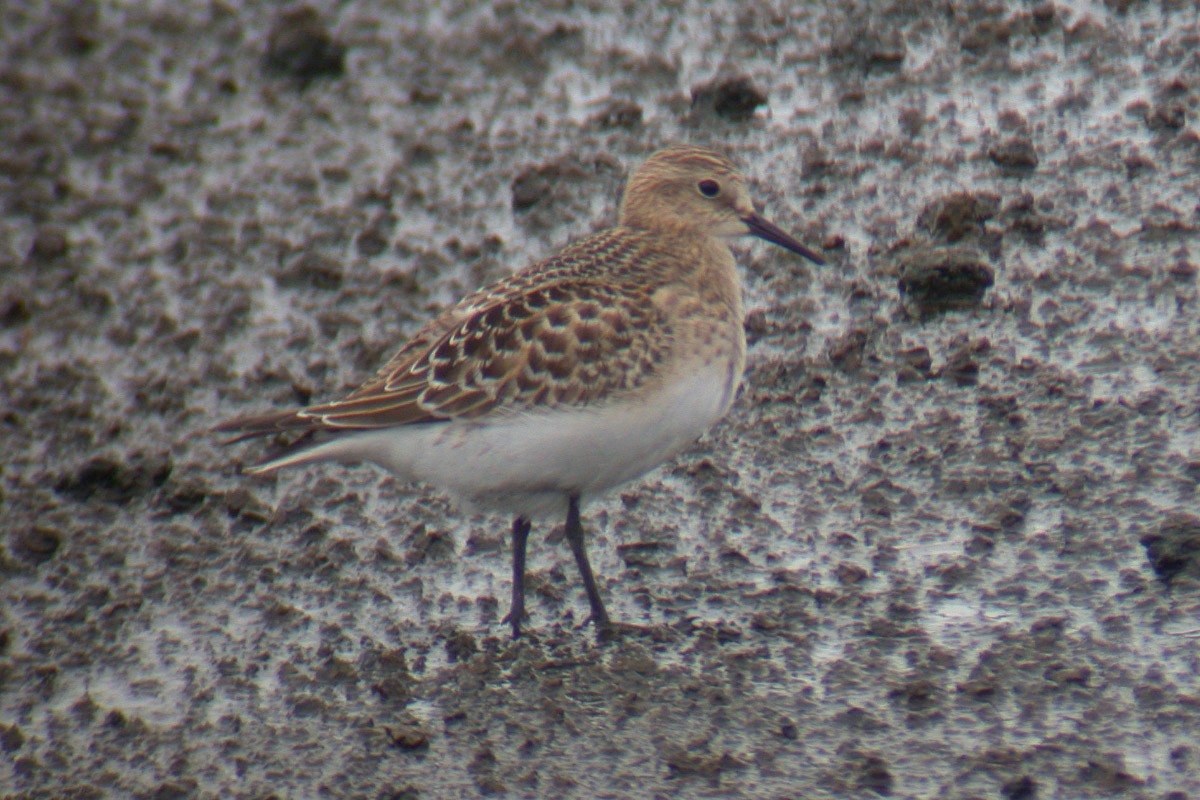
[[540, 194], [104, 480], [943, 279], [617, 114], [1174, 549], [301, 47], [958, 215], [1015, 155], [49, 244], [733, 99], [35, 545], [311, 270]]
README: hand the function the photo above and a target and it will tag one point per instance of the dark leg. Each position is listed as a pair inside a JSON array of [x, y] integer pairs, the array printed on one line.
[[575, 538], [516, 612]]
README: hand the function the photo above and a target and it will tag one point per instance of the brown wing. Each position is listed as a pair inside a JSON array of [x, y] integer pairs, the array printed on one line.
[[621, 251], [567, 343], [551, 335]]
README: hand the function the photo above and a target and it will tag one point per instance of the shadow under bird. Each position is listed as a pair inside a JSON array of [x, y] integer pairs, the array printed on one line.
[[573, 376]]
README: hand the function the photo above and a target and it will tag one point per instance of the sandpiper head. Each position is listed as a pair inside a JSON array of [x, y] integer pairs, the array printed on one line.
[[693, 189]]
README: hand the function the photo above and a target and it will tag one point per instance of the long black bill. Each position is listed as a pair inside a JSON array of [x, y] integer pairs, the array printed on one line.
[[772, 233]]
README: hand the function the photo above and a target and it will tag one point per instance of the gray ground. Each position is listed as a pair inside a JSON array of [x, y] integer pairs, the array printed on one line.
[[930, 553]]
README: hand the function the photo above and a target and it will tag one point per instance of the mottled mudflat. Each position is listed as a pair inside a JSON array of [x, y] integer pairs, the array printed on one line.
[[944, 545]]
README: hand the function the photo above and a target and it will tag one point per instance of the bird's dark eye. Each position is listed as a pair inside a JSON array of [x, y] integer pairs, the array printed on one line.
[[709, 188]]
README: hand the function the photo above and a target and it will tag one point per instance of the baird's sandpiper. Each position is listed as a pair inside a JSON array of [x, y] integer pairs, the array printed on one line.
[[570, 377]]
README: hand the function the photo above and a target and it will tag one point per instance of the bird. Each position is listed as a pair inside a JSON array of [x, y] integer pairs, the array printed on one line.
[[553, 385]]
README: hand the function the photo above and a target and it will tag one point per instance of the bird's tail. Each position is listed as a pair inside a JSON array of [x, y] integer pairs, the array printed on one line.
[[301, 451]]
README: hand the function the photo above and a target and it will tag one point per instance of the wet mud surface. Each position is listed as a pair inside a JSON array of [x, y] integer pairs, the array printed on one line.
[[946, 543]]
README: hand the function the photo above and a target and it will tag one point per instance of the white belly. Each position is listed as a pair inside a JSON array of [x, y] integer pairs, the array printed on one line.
[[529, 463]]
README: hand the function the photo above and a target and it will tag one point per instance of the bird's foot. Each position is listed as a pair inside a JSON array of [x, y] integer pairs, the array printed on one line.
[[514, 618]]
